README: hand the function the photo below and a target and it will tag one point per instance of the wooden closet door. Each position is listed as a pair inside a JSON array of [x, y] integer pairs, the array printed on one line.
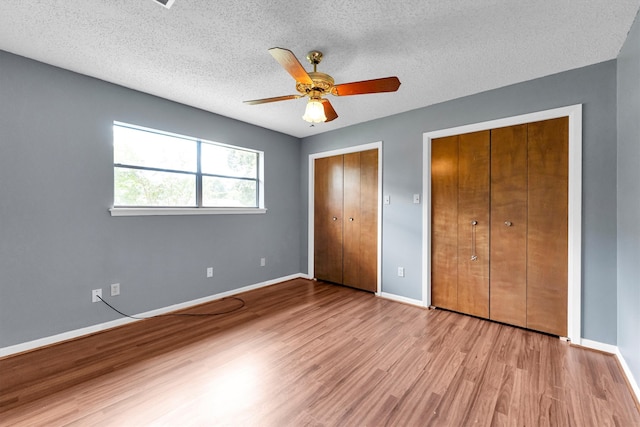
[[508, 267], [352, 220], [444, 222], [346, 219], [513, 183], [328, 218], [368, 221], [547, 238], [473, 240]]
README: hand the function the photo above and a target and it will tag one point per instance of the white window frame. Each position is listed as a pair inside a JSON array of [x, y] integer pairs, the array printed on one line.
[[162, 211]]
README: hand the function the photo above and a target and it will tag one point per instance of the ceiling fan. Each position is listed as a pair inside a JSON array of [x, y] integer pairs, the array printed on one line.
[[315, 85]]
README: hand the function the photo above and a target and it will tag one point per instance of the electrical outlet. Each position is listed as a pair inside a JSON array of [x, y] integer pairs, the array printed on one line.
[[95, 294], [209, 272], [400, 271], [263, 262], [115, 289]]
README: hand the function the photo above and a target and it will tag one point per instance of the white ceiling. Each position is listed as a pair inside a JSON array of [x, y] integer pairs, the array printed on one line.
[[212, 54]]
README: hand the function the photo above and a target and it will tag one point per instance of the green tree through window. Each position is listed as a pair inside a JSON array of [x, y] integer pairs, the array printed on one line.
[[157, 169]]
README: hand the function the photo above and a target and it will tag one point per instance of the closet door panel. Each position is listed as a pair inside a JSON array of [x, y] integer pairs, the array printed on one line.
[[352, 220], [508, 247], [369, 220], [473, 240], [547, 238], [328, 241], [444, 222]]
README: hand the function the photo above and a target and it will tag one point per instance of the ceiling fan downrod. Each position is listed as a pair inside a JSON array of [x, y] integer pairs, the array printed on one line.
[[314, 57]]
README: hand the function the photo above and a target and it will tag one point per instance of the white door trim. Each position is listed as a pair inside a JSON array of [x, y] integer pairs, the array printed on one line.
[[354, 149], [574, 112]]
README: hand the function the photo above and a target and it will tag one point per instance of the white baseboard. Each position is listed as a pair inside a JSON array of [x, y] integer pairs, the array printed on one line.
[[629, 374], [399, 298], [595, 345], [613, 349], [53, 339]]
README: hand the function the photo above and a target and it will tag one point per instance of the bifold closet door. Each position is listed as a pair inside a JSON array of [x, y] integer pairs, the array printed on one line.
[[346, 219], [360, 258], [473, 223], [508, 249], [460, 223], [499, 224], [444, 222], [547, 241], [328, 218]]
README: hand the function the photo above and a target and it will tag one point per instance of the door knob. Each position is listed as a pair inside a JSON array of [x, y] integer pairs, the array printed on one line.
[[508, 223], [335, 218], [350, 219]]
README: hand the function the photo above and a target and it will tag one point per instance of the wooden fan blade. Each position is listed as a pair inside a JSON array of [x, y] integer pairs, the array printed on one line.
[[290, 63], [274, 99], [329, 112], [387, 84]]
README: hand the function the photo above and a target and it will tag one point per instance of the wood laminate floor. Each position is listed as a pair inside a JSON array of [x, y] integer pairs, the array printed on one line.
[[303, 353]]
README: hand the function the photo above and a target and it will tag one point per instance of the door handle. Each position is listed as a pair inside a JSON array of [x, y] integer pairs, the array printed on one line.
[[350, 219], [335, 218], [508, 223], [474, 256]]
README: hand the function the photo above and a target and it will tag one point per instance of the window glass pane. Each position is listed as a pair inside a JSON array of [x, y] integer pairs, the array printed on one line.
[[228, 192], [134, 187], [141, 148], [218, 160]]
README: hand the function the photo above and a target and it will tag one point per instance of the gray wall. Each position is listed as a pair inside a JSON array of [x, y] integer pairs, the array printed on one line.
[[629, 200], [593, 86], [57, 239]]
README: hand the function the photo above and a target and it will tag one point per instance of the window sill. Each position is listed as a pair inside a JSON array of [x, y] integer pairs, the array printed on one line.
[[184, 211]]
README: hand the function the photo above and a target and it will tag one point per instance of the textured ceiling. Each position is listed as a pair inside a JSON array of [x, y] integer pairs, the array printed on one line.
[[213, 54]]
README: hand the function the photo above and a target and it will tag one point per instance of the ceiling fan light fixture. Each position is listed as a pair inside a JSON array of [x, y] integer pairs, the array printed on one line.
[[314, 113]]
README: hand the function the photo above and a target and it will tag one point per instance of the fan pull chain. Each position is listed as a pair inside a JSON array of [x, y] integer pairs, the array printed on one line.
[[474, 256]]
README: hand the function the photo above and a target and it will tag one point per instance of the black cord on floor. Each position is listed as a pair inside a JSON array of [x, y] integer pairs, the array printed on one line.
[[242, 304]]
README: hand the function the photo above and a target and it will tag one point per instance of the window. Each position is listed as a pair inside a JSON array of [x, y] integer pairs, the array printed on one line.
[[154, 169]]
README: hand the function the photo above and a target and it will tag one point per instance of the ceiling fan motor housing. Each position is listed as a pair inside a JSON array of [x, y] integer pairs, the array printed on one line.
[[322, 84]]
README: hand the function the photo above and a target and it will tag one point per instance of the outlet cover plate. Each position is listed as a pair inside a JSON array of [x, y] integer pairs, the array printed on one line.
[[95, 294], [115, 289]]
